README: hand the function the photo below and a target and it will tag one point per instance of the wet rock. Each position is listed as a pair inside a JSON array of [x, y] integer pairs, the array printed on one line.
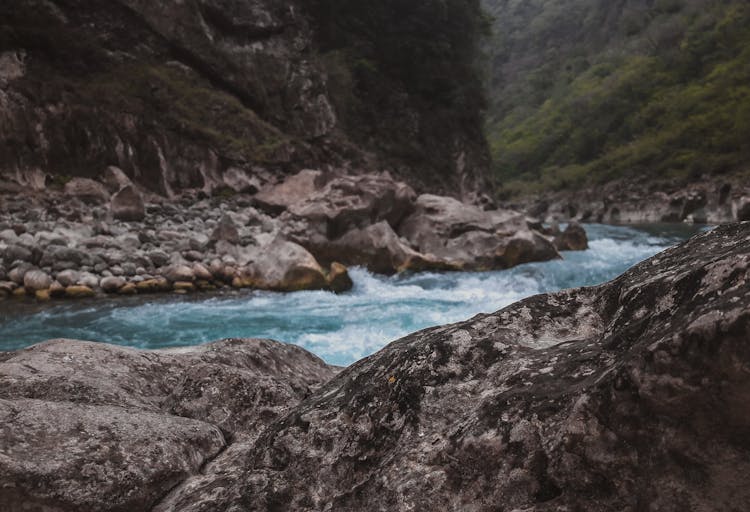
[[127, 205], [35, 280], [572, 239], [338, 278], [88, 191], [78, 291]]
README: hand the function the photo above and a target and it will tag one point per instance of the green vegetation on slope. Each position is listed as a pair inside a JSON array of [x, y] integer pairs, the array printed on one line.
[[585, 91]]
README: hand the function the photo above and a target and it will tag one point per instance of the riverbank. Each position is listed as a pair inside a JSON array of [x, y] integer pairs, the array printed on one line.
[[88, 238]]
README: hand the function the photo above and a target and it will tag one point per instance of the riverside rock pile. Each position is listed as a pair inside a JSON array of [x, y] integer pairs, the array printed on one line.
[[627, 396], [110, 237]]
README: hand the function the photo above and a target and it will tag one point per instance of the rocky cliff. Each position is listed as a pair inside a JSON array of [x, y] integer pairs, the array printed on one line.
[[627, 396], [192, 94]]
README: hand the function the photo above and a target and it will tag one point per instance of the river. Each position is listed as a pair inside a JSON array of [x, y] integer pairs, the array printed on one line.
[[338, 328]]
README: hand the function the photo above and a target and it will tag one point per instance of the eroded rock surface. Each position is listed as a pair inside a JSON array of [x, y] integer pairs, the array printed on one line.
[[627, 396], [89, 426]]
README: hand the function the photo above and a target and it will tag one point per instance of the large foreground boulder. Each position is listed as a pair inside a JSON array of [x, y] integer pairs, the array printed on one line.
[[94, 427], [632, 395]]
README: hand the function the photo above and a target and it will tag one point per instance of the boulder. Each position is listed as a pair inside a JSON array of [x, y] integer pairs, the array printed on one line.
[[68, 277], [34, 280], [284, 266], [87, 190], [463, 236], [135, 425], [338, 278], [17, 273], [178, 272], [127, 205], [572, 239], [111, 284], [377, 248], [16, 253]]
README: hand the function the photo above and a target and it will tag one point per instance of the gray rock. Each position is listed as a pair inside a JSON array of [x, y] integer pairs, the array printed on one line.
[[16, 253], [178, 272], [226, 231], [36, 280], [159, 258], [18, 272], [88, 279], [111, 284], [466, 237], [128, 205], [68, 277], [135, 425]]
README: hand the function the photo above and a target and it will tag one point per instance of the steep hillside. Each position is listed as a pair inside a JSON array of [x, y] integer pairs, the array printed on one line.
[[177, 93], [587, 91]]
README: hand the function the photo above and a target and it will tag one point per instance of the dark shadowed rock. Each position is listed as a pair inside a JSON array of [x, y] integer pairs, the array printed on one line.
[[115, 179], [127, 205], [338, 278], [572, 239], [377, 248]]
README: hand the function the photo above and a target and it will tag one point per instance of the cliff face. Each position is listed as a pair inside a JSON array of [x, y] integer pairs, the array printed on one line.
[[178, 93]]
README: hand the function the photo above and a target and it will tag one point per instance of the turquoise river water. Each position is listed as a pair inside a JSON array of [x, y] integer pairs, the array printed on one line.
[[338, 328]]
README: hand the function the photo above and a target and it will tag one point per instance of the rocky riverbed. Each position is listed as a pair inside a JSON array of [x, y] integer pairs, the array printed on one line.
[[631, 395], [86, 237]]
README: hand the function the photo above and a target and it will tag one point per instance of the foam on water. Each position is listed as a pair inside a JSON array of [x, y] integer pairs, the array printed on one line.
[[338, 328]]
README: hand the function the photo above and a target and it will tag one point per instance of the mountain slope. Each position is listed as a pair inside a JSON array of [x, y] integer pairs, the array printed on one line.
[[177, 93], [587, 91]]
